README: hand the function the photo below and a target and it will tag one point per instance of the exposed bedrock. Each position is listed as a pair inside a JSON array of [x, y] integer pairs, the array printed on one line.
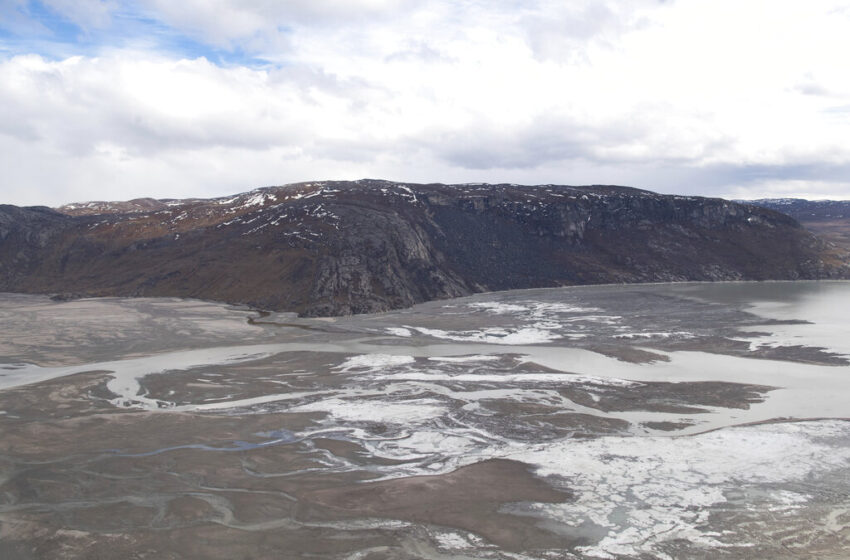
[[335, 248]]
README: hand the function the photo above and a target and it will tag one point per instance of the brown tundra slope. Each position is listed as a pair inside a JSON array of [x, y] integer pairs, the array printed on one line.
[[340, 247], [828, 219]]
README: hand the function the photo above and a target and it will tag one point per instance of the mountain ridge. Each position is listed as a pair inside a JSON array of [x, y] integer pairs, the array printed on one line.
[[829, 219], [337, 247]]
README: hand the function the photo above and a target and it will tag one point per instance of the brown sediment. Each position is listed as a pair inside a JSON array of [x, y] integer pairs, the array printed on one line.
[[468, 498], [738, 347], [262, 503], [80, 478], [187, 510], [519, 408], [535, 418], [56, 399], [353, 452], [63, 496], [676, 398], [626, 353], [36, 540], [288, 372], [587, 423], [302, 325], [778, 420], [340, 448], [142, 432], [667, 426]]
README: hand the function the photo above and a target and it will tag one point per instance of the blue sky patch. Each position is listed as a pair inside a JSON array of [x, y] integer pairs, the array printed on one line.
[[35, 28]]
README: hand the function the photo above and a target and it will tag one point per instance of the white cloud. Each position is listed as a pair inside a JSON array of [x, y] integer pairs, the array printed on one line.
[[722, 98]]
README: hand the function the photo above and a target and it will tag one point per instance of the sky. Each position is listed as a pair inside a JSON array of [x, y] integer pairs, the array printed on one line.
[[113, 100]]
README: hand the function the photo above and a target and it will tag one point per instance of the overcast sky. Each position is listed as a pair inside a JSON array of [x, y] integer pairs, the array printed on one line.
[[104, 99]]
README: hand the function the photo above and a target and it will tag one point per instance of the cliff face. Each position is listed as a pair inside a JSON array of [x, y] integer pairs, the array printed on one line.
[[331, 248], [25, 236]]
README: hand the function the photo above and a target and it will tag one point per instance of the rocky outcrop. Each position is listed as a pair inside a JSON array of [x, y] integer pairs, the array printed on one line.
[[332, 248], [25, 235]]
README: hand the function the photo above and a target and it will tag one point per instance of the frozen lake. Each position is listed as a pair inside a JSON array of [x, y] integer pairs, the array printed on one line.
[[643, 421]]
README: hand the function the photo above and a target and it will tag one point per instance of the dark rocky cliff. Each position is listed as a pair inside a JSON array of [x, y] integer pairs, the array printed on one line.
[[331, 248]]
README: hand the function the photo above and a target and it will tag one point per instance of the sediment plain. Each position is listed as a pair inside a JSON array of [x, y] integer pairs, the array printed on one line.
[[696, 420]]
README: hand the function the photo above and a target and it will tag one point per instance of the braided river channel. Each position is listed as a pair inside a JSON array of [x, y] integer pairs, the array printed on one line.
[[694, 420]]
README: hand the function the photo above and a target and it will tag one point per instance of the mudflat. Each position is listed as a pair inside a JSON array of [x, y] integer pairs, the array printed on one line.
[[686, 420]]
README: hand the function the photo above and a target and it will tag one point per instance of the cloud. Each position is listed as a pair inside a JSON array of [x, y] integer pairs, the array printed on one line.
[[220, 96], [146, 106], [484, 147]]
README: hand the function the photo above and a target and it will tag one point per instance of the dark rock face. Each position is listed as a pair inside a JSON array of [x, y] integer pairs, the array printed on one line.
[[333, 248], [25, 234]]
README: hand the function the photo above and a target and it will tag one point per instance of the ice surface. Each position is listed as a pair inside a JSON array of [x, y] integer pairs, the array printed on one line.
[[666, 486], [462, 359], [527, 335], [375, 410], [374, 362]]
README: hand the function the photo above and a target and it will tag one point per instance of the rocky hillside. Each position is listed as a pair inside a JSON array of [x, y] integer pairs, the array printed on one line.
[[331, 248], [829, 219], [808, 211]]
